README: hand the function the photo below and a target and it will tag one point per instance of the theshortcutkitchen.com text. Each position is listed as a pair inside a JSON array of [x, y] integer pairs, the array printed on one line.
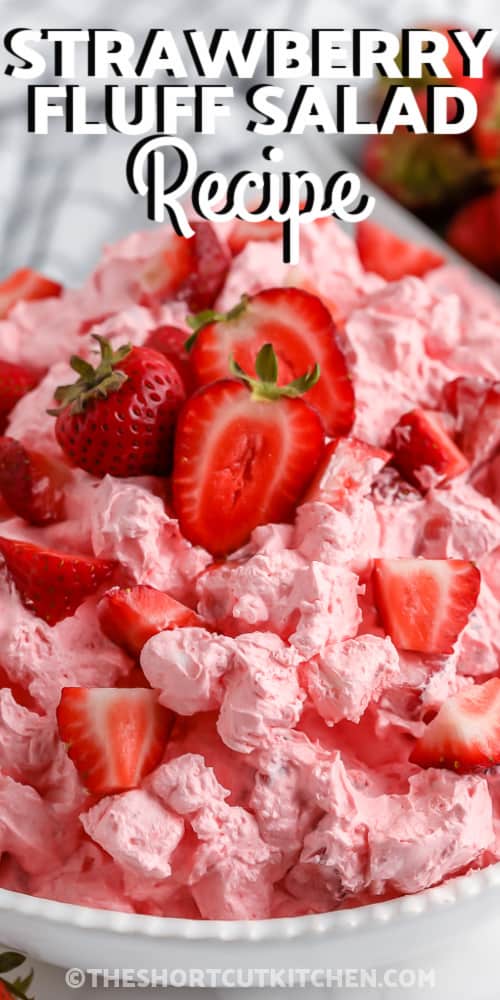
[[168, 81]]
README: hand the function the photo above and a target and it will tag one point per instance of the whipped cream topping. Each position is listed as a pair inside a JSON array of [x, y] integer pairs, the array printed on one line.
[[286, 786]]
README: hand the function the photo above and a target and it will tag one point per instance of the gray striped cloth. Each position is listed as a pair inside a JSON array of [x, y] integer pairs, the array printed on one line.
[[63, 196]]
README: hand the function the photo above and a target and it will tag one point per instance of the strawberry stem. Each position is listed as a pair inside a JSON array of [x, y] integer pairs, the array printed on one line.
[[92, 382], [206, 316], [265, 386], [9, 961]]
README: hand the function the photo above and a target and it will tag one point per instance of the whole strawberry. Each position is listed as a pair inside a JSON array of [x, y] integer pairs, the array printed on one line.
[[119, 417]]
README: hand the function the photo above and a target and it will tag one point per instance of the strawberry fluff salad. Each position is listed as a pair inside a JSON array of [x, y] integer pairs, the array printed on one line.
[[249, 575]]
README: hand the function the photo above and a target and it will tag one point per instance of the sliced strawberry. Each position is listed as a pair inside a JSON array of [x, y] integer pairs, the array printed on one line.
[[31, 484], [473, 232], [25, 285], [349, 466], [115, 736], [465, 733], [191, 270], [386, 254], [15, 382], [243, 232], [130, 617], [244, 456], [425, 603], [302, 333], [52, 584], [423, 450], [171, 342], [481, 436]]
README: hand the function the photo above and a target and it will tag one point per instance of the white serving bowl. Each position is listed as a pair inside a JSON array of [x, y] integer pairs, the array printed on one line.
[[453, 929]]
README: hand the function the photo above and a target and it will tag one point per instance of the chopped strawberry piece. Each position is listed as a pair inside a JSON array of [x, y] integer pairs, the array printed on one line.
[[191, 270], [423, 450], [115, 736], [386, 254], [244, 456], [481, 436], [52, 584], [465, 734], [425, 603], [243, 232], [302, 333], [19, 693], [15, 382], [171, 342], [130, 617], [31, 484], [25, 285], [349, 467]]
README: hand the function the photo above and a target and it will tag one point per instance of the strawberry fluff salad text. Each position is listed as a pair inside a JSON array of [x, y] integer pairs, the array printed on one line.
[[249, 575]]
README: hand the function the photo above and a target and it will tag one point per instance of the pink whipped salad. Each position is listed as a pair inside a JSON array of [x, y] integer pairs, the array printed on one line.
[[286, 787]]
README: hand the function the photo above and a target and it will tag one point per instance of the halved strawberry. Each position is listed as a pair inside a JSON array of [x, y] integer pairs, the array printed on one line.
[[171, 342], [15, 382], [52, 584], [386, 254], [481, 435], [25, 285], [244, 455], [302, 333], [243, 232], [115, 736], [31, 484], [424, 451], [465, 734], [192, 270], [130, 617], [349, 466], [425, 603]]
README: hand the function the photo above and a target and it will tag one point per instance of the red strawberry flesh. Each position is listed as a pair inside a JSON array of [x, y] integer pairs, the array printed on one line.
[[348, 467], [15, 382], [130, 617], [52, 584], [465, 734], [25, 285], [241, 461], [115, 736], [386, 254], [424, 604], [423, 450], [302, 333], [31, 484]]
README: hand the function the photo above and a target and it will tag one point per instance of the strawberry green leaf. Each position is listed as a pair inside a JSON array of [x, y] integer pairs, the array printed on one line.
[[10, 960], [201, 319], [266, 364]]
